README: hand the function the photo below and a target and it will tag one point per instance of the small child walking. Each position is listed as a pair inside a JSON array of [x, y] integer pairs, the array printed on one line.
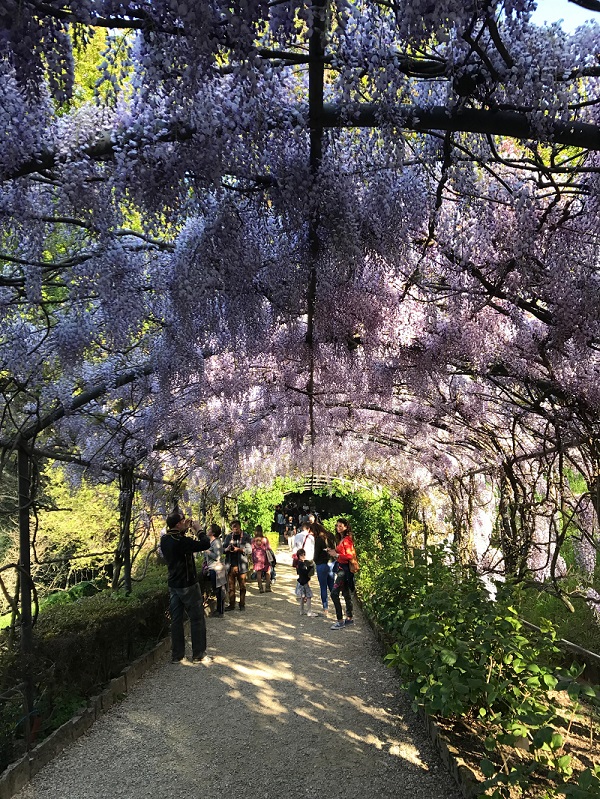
[[305, 569]]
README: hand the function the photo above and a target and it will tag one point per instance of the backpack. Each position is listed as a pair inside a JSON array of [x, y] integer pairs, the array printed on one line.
[[160, 557]]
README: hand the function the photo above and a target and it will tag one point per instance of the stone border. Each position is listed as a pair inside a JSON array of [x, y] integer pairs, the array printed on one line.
[[18, 774], [468, 784]]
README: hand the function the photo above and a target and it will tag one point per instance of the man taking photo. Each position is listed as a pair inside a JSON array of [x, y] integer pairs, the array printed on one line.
[[178, 551]]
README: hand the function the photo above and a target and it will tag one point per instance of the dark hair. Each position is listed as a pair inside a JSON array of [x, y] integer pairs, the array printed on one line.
[[236, 523], [258, 529], [174, 518], [301, 552], [215, 530], [346, 524], [320, 531]]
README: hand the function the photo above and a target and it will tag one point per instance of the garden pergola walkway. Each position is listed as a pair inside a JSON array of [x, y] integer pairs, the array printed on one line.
[[287, 708]]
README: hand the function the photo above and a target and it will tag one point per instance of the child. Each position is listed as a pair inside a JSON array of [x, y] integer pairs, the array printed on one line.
[[305, 569], [290, 532]]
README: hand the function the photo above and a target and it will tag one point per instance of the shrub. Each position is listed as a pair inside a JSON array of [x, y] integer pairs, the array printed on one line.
[[82, 644], [461, 654]]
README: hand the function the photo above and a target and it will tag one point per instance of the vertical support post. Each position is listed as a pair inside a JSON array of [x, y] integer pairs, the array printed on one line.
[[24, 548], [316, 80], [203, 508], [24, 480], [126, 503]]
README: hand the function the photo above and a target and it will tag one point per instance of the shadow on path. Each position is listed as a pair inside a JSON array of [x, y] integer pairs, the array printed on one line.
[[287, 708]]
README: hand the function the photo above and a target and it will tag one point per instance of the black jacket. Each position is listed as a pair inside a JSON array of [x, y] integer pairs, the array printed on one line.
[[178, 551], [239, 559], [305, 569]]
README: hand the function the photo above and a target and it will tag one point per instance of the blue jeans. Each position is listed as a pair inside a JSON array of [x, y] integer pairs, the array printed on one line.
[[190, 600], [326, 580]]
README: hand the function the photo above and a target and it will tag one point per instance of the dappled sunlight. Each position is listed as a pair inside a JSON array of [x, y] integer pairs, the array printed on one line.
[[262, 686], [376, 712]]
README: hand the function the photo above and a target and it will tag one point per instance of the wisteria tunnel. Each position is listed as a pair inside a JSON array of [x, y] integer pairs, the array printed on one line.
[[338, 239]]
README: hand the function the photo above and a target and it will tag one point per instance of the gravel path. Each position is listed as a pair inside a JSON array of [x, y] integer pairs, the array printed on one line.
[[287, 708]]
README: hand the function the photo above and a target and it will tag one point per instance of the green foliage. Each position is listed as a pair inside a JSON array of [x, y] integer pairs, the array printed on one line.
[[460, 654], [5, 542], [257, 505], [84, 588], [85, 521], [81, 644], [376, 515], [96, 55], [11, 713], [579, 627], [9, 505]]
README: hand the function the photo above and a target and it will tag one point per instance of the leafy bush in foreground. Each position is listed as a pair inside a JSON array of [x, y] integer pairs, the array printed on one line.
[[460, 654]]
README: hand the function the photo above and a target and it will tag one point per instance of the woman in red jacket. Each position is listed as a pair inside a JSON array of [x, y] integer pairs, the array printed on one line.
[[344, 579]]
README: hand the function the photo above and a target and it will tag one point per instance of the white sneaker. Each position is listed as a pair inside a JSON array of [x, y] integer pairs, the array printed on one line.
[[314, 615]]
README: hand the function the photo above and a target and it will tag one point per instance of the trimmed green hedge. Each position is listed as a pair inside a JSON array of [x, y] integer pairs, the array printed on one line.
[[78, 647]]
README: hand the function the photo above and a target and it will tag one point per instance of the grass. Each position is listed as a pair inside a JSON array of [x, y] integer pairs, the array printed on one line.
[[579, 627]]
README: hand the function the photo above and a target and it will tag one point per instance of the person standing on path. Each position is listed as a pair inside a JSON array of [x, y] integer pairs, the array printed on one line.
[[184, 591], [324, 563], [280, 524], [216, 567], [344, 579], [290, 532], [305, 569], [305, 540], [262, 567], [238, 548]]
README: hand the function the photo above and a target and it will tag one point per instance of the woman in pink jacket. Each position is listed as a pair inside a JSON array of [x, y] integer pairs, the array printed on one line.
[[262, 567]]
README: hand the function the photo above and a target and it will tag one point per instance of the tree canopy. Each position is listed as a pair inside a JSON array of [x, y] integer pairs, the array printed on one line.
[[350, 237]]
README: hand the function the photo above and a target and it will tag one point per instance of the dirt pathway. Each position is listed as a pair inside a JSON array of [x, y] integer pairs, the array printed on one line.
[[287, 708]]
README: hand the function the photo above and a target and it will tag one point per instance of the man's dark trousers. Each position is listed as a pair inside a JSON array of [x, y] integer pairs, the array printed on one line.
[[189, 599]]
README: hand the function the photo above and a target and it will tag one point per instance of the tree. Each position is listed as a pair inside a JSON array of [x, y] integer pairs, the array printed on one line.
[[342, 237]]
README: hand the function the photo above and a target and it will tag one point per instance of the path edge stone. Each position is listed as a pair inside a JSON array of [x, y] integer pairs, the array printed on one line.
[[19, 773], [467, 782]]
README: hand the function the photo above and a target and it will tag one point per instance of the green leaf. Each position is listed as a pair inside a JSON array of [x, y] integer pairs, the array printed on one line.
[[448, 657], [488, 768], [563, 763], [587, 780], [550, 681], [587, 690], [543, 737]]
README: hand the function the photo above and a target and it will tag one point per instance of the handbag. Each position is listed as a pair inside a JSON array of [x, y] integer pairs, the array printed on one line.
[[353, 564], [272, 560]]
